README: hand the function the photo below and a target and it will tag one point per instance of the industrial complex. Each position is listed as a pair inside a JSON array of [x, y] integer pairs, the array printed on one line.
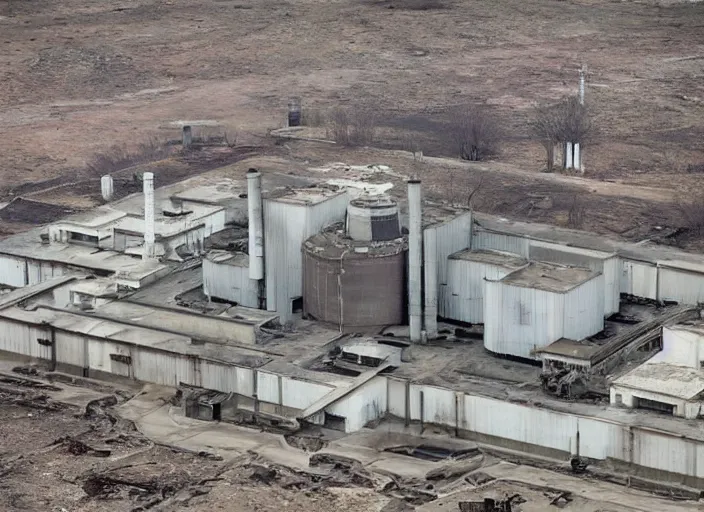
[[292, 302]]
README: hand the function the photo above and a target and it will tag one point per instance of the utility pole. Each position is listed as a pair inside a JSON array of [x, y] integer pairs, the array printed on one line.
[[582, 73], [576, 151]]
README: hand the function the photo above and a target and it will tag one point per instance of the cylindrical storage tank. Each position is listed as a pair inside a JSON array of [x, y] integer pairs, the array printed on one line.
[[294, 112], [373, 218], [355, 286]]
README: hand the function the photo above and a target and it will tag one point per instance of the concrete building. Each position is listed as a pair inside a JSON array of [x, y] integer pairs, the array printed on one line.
[[226, 277], [672, 381], [291, 217], [466, 273], [539, 304]]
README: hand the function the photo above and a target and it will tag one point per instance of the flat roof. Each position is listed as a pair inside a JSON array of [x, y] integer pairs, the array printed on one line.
[[549, 277], [29, 245], [500, 259], [217, 193], [304, 196], [695, 326], [95, 287], [95, 218], [665, 379], [642, 251], [236, 259], [570, 348]]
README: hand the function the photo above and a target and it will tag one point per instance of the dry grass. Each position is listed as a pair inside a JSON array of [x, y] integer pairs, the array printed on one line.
[[352, 126], [475, 133], [118, 158]]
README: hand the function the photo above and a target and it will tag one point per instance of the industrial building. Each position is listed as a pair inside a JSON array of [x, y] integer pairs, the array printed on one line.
[[258, 292]]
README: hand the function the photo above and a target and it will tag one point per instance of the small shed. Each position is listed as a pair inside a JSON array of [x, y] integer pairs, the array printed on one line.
[[466, 272], [662, 387], [539, 304]]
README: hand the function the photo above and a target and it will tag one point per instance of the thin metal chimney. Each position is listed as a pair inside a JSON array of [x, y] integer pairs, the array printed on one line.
[[148, 183], [256, 224], [414, 260]]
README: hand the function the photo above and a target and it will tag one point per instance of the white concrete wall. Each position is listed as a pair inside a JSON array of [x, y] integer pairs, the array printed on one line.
[[519, 320], [639, 279], [231, 283], [12, 271], [366, 403], [464, 292], [450, 237], [681, 285], [680, 347], [584, 309], [482, 239]]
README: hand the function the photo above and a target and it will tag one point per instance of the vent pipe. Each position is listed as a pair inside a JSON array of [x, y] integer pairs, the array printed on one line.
[[256, 224], [414, 260], [106, 187], [148, 183]]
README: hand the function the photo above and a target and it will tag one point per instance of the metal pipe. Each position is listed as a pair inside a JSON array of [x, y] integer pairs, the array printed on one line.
[[568, 155], [256, 224], [576, 156], [414, 260], [430, 311], [148, 184], [581, 84]]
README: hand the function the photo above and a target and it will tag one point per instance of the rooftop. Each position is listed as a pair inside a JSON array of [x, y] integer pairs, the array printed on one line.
[[500, 259], [665, 379], [304, 196], [236, 259], [95, 218], [695, 326], [333, 243], [29, 245], [549, 277]]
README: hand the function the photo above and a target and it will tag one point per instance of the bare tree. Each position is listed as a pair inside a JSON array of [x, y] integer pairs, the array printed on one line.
[[475, 133], [575, 217], [352, 127], [692, 212], [565, 122]]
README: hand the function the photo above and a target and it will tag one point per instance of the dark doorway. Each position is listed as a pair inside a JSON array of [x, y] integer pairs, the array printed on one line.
[[334, 422], [216, 412], [654, 405]]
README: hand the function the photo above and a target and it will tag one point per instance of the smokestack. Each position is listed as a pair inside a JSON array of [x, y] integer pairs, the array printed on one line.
[[106, 187], [148, 183], [256, 224], [414, 260], [430, 312]]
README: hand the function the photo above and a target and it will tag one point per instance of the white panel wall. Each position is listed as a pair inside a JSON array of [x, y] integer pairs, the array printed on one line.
[[99, 354], [162, 367], [300, 394], [12, 271], [286, 227], [397, 397], [464, 296], [364, 404], [71, 349], [639, 279], [612, 285], [584, 309], [226, 378], [450, 237], [668, 453], [499, 242], [22, 339], [230, 282], [681, 285], [680, 347], [438, 405], [268, 387], [519, 320]]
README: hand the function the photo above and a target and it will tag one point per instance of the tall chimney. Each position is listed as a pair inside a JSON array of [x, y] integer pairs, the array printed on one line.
[[148, 182], [430, 262], [414, 260], [256, 224]]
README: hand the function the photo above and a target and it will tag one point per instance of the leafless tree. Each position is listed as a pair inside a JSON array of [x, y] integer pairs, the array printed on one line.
[[475, 133], [118, 158], [353, 126], [575, 217], [692, 212], [560, 123]]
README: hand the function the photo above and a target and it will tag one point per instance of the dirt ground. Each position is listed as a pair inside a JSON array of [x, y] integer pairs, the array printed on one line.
[[78, 76]]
